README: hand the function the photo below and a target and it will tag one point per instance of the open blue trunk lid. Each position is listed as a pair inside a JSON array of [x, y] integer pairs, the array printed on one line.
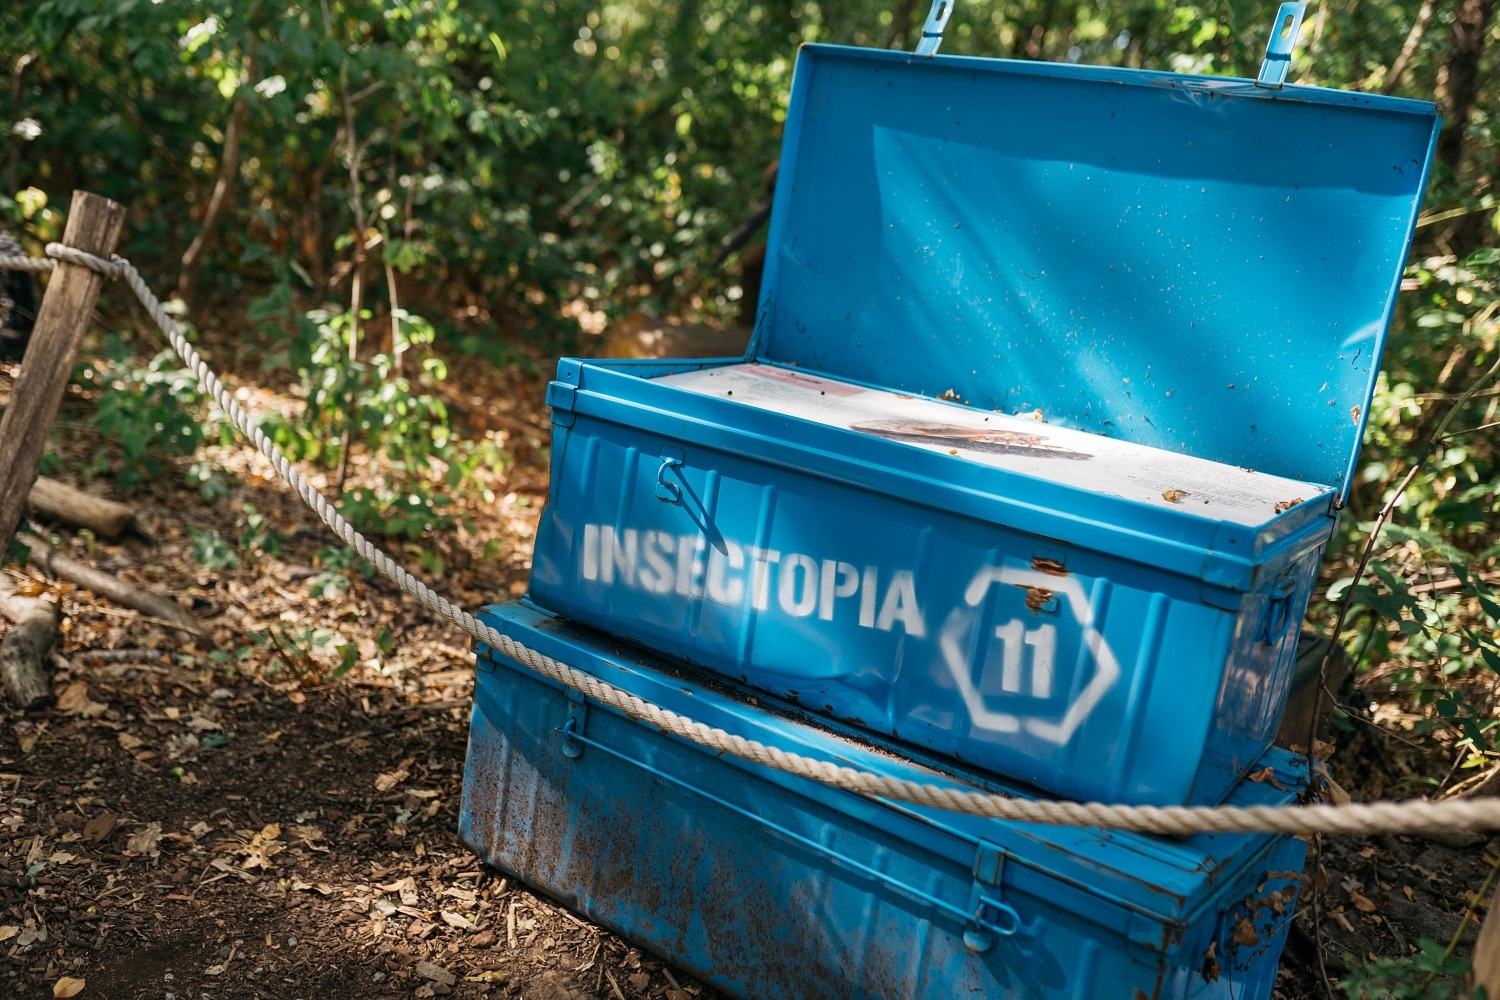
[[1201, 265]]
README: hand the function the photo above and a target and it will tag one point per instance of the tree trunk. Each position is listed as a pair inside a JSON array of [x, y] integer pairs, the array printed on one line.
[[899, 37], [1460, 82], [1460, 88]]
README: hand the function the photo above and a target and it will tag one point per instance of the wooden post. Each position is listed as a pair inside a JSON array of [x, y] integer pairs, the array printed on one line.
[[94, 225]]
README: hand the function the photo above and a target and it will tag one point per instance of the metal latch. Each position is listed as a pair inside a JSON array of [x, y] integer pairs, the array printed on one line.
[[1279, 49], [991, 917], [572, 730], [1279, 608], [666, 490], [932, 29]]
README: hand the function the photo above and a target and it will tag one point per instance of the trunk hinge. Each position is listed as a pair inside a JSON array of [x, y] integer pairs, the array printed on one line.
[[1279, 49], [932, 29]]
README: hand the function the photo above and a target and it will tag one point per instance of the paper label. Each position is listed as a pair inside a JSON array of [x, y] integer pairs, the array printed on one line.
[[1017, 444]]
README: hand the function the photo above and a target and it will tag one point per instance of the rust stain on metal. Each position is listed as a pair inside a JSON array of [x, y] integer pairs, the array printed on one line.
[[1210, 968], [1037, 598], [1051, 567]]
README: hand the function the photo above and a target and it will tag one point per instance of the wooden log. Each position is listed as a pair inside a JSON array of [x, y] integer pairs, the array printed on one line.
[[1485, 970], [23, 652], [94, 225], [110, 587], [61, 502]]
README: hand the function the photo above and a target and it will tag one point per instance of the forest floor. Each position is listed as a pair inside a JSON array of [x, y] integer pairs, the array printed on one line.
[[232, 819]]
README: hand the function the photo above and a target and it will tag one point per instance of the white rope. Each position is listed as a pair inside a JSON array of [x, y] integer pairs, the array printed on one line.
[[1359, 818]]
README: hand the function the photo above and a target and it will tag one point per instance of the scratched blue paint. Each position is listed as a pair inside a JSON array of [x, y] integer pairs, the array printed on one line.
[[765, 885], [1192, 264]]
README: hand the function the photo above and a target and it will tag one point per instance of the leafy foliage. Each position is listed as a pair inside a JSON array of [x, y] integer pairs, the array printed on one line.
[[1410, 978], [147, 414]]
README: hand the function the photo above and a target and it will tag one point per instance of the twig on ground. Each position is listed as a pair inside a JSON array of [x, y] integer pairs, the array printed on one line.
[[112, 587]]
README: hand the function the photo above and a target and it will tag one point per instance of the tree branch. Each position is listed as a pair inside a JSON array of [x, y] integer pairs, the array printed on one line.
[[229, 168]]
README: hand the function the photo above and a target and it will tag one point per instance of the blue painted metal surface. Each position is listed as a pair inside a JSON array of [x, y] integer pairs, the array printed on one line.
[[1192, 263], [1198, 265], [1073, 641], [769, 886]]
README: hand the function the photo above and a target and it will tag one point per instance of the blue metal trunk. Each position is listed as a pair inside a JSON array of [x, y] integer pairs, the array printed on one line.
[[766, 885], [1185, 278]]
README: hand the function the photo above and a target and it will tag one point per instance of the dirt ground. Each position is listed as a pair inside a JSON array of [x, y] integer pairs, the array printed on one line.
[[230, 819]]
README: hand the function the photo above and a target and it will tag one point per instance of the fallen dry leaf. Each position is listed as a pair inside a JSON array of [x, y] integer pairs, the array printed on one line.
[[98, 829], [1282, 506], [1174, 496], [436, 973], [1244, 933], [387, 780], [68, 987], [456, 920], [297, 885], [75, 700], [128, 742], [405, 889], [1361, 902], [1265, 776], [9, 931], [145, 840]]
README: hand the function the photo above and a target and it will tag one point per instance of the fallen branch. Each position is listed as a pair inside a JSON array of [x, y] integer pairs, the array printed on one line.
[[25, 648], [60, 502], [111, 587]]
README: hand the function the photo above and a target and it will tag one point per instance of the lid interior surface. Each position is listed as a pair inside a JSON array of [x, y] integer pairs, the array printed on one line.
[[1189, 263]]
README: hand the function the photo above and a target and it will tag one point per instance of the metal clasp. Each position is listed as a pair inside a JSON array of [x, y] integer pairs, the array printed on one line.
[[572, 730], [992, 917], [1279, 49], [1279, 609], [932, 29], [666, 490]]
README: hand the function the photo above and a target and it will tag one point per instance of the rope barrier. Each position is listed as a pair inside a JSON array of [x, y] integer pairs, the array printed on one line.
[[1354, 818]]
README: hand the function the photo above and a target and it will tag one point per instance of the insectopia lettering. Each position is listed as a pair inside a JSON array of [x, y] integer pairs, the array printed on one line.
[[800, 585]]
